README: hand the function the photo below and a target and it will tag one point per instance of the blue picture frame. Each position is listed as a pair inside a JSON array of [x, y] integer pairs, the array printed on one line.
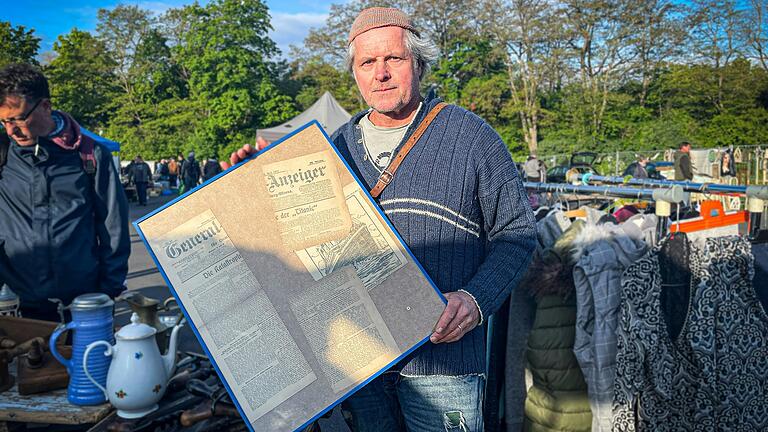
[[194, 328]]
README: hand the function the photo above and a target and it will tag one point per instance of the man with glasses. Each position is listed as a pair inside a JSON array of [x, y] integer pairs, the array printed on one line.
[[63, 213]]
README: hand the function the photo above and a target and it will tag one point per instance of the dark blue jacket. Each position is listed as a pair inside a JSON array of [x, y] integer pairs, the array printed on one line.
[[458, 202], [62, 232]]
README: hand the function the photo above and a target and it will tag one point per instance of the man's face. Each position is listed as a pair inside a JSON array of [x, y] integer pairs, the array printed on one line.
[[686, 148], [384, 70], [37, 123]]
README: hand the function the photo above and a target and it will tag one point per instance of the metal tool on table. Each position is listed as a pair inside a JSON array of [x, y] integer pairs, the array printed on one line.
[[91, 321], [179, 381], [8, 354], [37, 371], [138, 376], [205, 411]]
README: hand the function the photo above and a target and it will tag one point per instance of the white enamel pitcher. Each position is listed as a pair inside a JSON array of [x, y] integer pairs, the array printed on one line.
[[138, 375]]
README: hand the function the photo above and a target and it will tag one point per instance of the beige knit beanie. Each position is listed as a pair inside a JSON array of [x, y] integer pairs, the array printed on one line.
[[376, 17]]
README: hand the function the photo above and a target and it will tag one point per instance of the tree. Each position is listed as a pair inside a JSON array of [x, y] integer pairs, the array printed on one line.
[[598, 34], [660, 36], [317, 77], [756, 30], [17, 44], [467, 59], [225, 55], [122, 31], [717, 38], [81, 78], [523, 28], [329, 42]]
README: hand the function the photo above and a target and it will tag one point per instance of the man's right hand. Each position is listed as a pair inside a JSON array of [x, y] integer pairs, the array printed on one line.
[[244, 153]]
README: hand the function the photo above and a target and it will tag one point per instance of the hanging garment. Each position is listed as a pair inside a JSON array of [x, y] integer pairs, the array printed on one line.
[[551, 227], [604, 252], [557, 400], [714, 375]]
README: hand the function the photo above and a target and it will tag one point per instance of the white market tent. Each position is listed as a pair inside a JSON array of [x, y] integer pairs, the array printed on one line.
[[326, 111]]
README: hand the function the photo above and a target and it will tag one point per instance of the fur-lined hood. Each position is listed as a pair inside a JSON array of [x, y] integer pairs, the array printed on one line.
[[626, 241]]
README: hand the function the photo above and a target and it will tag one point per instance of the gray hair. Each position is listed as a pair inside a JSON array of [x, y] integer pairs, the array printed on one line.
[[423, 51]]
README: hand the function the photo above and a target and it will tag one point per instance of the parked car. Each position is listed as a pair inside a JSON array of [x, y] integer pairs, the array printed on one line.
[[580, 163], [652, 168]]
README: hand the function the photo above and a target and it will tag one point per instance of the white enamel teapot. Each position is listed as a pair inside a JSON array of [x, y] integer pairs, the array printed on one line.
[[138, 375]]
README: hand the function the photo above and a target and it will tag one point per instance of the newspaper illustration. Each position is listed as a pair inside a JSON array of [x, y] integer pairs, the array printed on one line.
[[368, 248], [308, 200], [347, 334], [233, 314]]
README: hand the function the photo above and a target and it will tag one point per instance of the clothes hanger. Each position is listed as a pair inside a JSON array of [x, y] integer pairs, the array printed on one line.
[[577, 213], [713, 216]]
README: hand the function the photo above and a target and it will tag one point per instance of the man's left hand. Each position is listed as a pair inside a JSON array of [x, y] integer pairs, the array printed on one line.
[[458, 318]]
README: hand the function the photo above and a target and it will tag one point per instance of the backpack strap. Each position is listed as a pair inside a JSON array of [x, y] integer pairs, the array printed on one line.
[[388, 174]]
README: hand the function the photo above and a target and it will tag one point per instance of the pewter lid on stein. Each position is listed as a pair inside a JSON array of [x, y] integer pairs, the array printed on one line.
[[7, 294], [91, 301], [135, 330]]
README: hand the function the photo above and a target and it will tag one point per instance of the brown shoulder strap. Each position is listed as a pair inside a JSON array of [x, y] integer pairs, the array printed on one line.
[[386, 176]]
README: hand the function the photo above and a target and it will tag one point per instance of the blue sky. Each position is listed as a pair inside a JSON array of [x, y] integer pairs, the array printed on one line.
[[51, 18]]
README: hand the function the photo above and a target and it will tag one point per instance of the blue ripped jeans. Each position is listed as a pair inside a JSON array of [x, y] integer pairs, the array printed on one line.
[[437, 403]]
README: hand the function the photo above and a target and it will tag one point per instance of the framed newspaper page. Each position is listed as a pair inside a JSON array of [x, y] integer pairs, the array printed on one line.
[[295, 283]]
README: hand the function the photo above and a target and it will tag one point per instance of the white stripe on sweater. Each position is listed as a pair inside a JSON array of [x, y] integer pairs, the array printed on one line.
[[430, 203], [434, 215]]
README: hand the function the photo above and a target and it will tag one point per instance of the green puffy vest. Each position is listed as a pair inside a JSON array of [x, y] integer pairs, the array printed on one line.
[[558, 399]]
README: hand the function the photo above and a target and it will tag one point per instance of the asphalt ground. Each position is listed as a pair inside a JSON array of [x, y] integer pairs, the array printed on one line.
[[143, 276]]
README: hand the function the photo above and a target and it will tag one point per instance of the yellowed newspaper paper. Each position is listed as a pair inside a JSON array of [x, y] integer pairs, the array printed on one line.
[[308, 200], [233, 314], [344, 328], [369, 247]]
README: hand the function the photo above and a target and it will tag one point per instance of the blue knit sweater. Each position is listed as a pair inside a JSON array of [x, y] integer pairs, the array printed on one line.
[[459, 204]]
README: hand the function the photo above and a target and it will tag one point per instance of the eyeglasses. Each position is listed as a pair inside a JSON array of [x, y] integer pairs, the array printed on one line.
[[21, 119]]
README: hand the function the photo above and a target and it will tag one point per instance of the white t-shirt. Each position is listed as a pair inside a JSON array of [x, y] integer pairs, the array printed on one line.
[[380, 142]]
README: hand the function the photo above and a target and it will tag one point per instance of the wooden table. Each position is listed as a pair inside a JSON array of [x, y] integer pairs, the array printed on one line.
[[47, 408]]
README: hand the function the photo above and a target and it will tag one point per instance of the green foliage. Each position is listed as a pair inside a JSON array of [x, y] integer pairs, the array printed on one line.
[[81, 78], [202, 81], [599, 75], [17, 44], [316, 77], [467, 60]]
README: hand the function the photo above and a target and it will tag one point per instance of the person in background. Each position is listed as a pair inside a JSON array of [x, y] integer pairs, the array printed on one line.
[[683, 168], [473, 230], [180, 162], [161, 170], [534, 169], [63, 212], [211, 168], [638, 169], [141, 176], [190, 172], [173, 172]]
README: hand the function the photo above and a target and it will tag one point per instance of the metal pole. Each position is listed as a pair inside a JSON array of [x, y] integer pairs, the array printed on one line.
[[651, 183], [612, 191]]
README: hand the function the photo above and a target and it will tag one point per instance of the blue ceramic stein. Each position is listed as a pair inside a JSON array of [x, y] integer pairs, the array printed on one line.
[[91, 321]]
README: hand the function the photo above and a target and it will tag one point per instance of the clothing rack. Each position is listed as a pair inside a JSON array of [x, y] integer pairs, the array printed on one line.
[[672, 194], [711, 188], [757, 195], [663, 197]]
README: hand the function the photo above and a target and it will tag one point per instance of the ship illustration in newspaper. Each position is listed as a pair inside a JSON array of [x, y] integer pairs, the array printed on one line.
[[370, 248]]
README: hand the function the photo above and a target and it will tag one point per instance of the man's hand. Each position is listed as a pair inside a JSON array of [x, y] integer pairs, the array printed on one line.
[[243, 153], [458, 318]]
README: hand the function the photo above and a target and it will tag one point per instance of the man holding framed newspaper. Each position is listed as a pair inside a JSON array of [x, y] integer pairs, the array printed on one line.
[[447, 183]]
